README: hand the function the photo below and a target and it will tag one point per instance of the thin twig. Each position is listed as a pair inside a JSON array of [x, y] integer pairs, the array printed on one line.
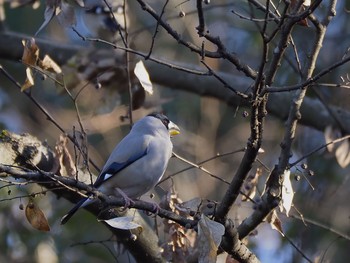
[[156, 30], [318, 149]]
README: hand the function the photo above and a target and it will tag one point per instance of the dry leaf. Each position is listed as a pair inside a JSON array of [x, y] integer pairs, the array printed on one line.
[[65, 160], [30, 57], [209, 238], [275, 222], [287, 193], [29, 82], [178, 240], [36, 217], [142, 74], [30, 52], [190, 205], [50, 65], [125, 222]]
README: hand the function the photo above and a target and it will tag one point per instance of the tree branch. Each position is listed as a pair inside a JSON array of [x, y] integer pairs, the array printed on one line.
[[25, 157], [278, 103]]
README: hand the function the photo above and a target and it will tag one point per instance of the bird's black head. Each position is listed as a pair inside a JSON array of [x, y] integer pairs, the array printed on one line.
[[171, 127], [164, 119]]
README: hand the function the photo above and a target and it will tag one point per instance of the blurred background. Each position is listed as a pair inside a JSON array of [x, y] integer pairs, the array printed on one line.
[[209, 127]]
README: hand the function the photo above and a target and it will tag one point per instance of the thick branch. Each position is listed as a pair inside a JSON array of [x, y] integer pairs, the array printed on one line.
[[27, 151], [21, 153]]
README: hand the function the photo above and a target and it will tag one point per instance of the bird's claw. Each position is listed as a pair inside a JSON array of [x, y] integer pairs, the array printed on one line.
[[127, 200]]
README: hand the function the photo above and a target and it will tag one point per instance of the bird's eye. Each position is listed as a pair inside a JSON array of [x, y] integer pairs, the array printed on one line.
[[165, 122]]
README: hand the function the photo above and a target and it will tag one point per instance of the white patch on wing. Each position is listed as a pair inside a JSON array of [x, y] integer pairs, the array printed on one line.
[[108, 176]]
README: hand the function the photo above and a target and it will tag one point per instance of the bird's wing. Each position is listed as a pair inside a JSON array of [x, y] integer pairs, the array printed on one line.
[[129, 150]]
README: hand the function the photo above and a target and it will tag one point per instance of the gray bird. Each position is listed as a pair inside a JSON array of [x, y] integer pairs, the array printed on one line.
[[137, 163]]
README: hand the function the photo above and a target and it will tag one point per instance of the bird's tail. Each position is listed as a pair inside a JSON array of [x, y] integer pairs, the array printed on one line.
[[83, 202]]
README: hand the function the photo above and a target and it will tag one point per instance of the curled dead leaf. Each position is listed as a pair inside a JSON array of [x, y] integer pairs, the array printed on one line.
[[29, 82], [275, 222], [64, 159], [30, 57], [36, 217], [209, 238], [49, 64], [30, 54]]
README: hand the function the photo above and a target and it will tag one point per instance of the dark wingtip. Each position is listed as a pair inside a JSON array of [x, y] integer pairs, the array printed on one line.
[[66, 217]]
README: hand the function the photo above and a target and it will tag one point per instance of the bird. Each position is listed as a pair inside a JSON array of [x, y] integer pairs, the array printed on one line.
[[137, 163]]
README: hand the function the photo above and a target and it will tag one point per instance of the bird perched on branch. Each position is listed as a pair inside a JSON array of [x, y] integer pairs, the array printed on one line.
[[137, 163]]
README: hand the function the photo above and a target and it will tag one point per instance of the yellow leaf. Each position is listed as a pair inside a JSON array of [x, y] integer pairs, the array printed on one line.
[[36, 217]]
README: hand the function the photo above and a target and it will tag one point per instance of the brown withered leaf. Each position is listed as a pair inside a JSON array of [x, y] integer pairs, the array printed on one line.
[[275, 222], [36, 217], [29, 82], [30, 57], [30, 52], [178, 239], [49, 64], [65, 160]]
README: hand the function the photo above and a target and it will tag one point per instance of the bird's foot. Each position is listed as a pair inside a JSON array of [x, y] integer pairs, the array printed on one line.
[[127, 200], [154, 210]]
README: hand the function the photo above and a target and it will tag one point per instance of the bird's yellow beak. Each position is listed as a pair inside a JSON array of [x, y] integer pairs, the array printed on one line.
[[173, 129]]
